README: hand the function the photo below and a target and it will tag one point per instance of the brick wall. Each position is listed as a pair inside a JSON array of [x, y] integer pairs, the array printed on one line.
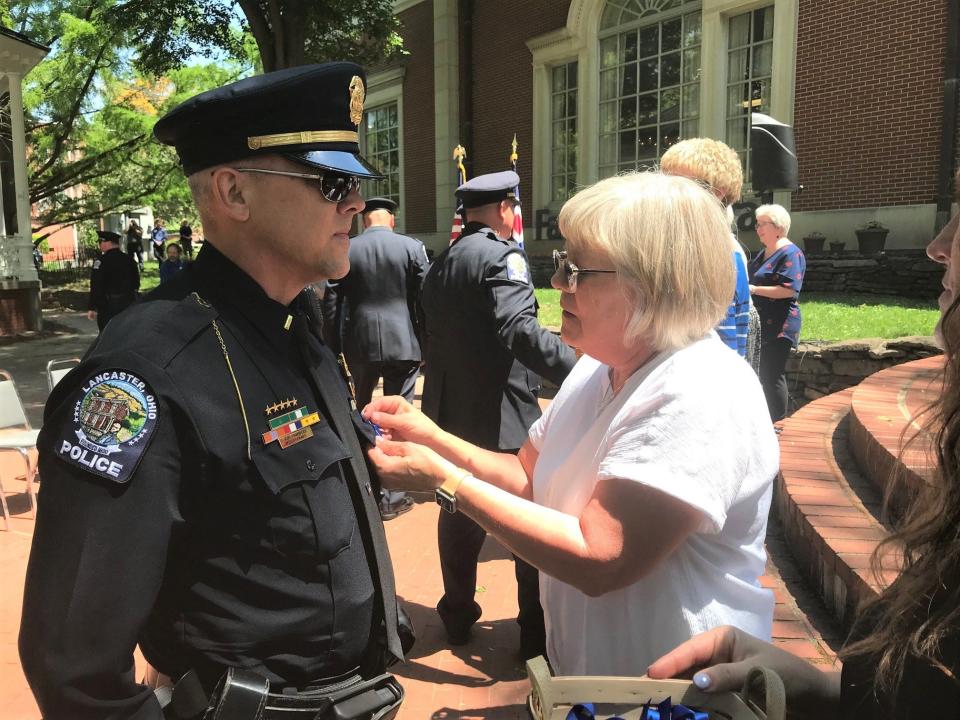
[[503, 84], [418, 120], [869, 102]]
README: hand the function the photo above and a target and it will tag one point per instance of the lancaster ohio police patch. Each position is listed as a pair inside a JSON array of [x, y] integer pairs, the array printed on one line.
[[517, 268], [114, 419]]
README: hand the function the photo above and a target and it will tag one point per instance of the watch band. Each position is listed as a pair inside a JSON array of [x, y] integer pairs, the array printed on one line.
[[446, 494]]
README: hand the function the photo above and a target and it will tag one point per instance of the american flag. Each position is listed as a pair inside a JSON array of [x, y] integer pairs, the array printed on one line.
[[517, 215], [459, 153]]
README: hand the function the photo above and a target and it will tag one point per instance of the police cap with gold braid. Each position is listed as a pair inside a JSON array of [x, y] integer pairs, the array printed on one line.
[[309, 114]]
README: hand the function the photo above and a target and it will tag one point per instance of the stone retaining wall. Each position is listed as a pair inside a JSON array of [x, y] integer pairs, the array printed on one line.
[[815, 370], [905, 273]]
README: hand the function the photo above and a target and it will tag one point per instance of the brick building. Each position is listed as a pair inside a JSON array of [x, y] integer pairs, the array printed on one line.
[[594, 87]]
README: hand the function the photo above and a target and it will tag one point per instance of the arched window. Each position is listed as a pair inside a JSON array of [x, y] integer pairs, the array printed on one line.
[[649, 58]]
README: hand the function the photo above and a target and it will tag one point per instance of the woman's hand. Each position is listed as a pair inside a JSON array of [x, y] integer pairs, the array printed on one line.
[[723, 657], [408, 466], [400, 420]]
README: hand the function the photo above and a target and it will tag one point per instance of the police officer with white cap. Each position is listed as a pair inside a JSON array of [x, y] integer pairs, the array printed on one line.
[[485, 351], [205, 495]]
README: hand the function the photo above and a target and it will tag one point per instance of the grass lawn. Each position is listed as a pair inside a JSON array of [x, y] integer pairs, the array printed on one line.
[[826, 316]]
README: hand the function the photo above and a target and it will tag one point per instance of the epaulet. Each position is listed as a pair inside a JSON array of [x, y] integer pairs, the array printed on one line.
[[163, 327]]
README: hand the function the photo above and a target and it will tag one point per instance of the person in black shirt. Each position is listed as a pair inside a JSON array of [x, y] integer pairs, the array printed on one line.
[[205, 494], [114, 280], [186, 239], [372, 313]]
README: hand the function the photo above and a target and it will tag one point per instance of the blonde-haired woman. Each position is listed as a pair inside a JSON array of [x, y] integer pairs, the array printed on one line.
[[642, 493], [776, 276], [718, 165]]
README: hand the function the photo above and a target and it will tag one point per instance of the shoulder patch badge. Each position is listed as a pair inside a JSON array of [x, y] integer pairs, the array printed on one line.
[[114, 419], [517, 268]]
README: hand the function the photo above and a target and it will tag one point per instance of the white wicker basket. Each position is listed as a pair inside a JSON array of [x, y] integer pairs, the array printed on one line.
[[551, 698]]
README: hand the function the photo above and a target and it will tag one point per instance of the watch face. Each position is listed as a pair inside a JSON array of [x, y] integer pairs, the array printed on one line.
[[446, 502]]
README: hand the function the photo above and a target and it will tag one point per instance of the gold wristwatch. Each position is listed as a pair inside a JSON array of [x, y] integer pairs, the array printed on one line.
[[446, 494]]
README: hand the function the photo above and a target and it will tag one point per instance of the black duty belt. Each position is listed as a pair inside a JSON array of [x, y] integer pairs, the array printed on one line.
[[245, 695]]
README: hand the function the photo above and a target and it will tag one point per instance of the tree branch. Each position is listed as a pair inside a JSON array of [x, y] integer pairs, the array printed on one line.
[[260, 29], [279, 34], [67, 125]]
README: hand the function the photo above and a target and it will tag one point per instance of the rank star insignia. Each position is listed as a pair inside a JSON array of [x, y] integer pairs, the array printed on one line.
[[292, 427], [280, 407]]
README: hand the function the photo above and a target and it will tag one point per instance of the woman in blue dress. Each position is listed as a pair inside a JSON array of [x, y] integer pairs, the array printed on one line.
[[776, 275]]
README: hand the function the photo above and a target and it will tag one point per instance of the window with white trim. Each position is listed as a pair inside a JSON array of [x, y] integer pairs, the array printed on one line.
[[380, 144], [563, 143], [649, 80], [749, 76]]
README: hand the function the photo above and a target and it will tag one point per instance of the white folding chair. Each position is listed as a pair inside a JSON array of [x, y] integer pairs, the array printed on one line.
[[57, 369], [16, 435]]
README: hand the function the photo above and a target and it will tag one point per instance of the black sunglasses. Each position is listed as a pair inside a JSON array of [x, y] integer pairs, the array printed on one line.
[[568, 272], [333, 187]]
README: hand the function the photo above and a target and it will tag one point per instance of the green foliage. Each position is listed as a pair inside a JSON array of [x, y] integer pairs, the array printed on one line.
[[826, 317], [287, 32], [90, 115]]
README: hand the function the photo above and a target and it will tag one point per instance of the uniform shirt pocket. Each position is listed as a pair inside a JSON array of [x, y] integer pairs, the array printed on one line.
[[311, 515]]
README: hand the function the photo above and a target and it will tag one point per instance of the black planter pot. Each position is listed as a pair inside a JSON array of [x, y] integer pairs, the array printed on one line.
[[837, 246], [872, 241], [813, 244]]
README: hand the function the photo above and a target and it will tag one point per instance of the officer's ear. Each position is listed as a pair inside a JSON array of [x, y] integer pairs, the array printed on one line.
[[227, 196]]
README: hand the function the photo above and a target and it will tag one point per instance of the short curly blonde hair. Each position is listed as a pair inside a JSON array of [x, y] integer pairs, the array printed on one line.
[[711, 161], [669, 241]]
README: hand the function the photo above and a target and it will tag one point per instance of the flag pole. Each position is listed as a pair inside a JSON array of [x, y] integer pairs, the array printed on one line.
[[459, 153], [517, 215]]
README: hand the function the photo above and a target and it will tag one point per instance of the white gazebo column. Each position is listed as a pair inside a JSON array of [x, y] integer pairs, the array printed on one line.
[[24, 236]]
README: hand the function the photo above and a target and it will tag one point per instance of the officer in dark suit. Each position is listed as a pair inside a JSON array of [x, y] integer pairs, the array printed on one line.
[[373, 313], [205, 493], [114, 280], [485, 350]]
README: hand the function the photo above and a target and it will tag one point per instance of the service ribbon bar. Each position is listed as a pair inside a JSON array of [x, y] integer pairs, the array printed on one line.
[[288, 418], [279, 432]]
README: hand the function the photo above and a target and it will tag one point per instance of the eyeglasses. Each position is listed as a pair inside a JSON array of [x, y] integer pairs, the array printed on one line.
[[762, 223], [568, 272], [333, 187]]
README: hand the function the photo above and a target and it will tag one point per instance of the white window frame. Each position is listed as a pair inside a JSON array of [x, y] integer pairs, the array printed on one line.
[[556, 172], [386, 88], [579, 39]]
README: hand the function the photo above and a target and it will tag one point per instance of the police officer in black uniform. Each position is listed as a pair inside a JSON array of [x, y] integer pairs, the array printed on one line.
[[114, 280], [374, 311], [485, 352], [205, 493]]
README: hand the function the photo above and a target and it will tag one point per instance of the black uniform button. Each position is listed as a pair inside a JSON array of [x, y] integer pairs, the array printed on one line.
[[311, 465]]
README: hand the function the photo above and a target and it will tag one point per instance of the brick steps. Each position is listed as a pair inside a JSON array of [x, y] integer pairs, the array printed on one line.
[[881, 417], [828, 510], [837, 455]]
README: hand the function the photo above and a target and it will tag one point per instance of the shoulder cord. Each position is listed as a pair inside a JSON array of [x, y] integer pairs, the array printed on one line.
[[236, 386]]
